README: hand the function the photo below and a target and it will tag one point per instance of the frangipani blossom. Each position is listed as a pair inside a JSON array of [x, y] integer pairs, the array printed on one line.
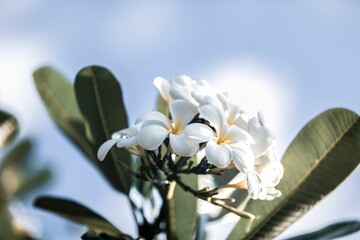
[[263, 136], [198, 92], [223, 141], [157, 127], [271, 172], [123, 138]]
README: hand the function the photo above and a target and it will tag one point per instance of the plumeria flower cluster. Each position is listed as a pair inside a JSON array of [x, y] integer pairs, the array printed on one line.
[[202, 119]]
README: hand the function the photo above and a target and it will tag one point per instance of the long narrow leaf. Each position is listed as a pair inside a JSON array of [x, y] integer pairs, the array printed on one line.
[[16, 155], [37, 179], [58, 96], [332, 231], [77, 213], [8, 128], [99, 98], [323, 154]]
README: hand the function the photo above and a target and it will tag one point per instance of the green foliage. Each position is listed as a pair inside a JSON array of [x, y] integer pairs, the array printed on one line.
[[99, 98], [8, 128], [332, 231], [58, 97], [21, 176], [323, 154], [185, 209], [64, 107], [17, 177], [91, 235], [77, 213]]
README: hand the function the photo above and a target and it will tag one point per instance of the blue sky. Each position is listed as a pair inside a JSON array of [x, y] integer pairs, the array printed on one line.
[[290, 60]]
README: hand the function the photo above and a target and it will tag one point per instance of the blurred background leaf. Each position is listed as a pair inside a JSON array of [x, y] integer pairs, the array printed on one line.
[[77, 213], [8, 128], [99, 97], [322, 155], [19, 175], [332, 231]]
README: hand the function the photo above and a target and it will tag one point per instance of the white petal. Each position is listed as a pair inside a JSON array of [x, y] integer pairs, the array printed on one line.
[[202, 83], [224, 100], [181, 147], [105, 147], [183, 80], [264, 140], [133, 131], [243, 159], [235, 134], [154, 116], [214, 102], [219, 155], [213, 115], [270, 171], [176, 94], [182, 112], [163, 86], [255, 188], [261, 118], [253, 125], [233, 111], [199, 98], [127, 142], [151, 137], [155, 122], [242, 121], [198, 133]]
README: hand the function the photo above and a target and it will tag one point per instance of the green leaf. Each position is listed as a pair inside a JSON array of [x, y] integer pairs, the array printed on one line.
[[8, 128], [91, 235], [7, 231], [33, 181], [185, 208], [58, 96], [323, 154], [99, 98], [332, 231], [77, 213], [16, 155]]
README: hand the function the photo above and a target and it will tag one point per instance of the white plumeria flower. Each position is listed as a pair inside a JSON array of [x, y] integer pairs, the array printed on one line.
[[222, 143], [179, 87], [157, 127], [226, 144], [198, 92], [124, 138], [271, 172], [263, 136], [236, 116]]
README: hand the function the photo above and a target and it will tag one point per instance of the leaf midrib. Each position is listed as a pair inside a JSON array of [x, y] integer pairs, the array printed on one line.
[[104, 124], [302, 180]]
